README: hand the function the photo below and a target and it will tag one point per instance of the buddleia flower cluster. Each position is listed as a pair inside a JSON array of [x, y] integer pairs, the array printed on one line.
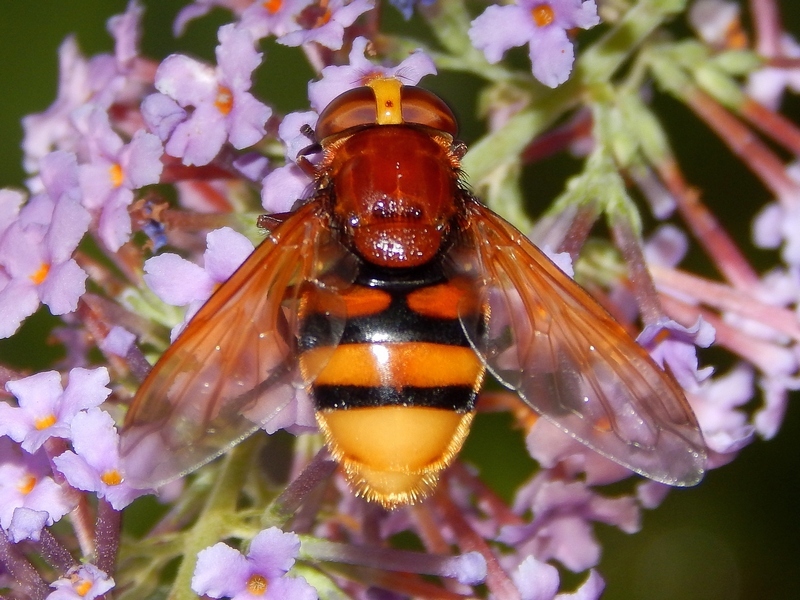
[[145, 183]]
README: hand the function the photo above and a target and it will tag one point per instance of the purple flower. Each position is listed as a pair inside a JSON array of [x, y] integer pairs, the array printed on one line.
[[338, 79], [201, 107], [199, 8], [252, 165], [297, 416], [99, 81], [673, 345], [36, 249], [222, 571], [114, 170], [46, 409], [769, 417], [651, 494], [86, 582], [536, 580], [127, 32], [282, 187], [27, 524], [95, 465], [561, 528], [180, 282], [10, 203], [324, 22], [779, 223], [290, 132], [666, 246], [543, 25], [716, 405], [768, 85], [25, 482], [81, 82], [118, 341], [713, 20], [273, 17], [551, 447]]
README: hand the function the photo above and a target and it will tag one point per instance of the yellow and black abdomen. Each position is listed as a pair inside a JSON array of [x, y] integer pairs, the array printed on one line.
[[396, 397]]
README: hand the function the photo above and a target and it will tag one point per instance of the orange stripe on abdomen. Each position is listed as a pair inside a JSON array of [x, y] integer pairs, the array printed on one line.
[[438, 301], [362, 301], [395, 365]]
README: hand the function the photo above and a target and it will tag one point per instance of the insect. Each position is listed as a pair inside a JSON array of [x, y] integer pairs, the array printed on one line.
[[387, 296]]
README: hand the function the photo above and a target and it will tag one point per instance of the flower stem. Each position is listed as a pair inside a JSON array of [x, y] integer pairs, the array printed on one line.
[[769, 357], [706, 229], [82, 524], [285, 506], [773, 124], [725, 299], [210, 525], [767, 21], [54, 552], [498, 582], [764, 163], [21, 570], [376, 557], [644, 290], [106, 536]]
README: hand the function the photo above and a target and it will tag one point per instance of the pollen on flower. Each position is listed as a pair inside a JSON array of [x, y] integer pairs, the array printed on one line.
[[38, 276], [26, 484], [257, 585], [543, 15], [661, 336], [81, 586], [735, 36], [224, 101], [315, 16], [272, 6], [45, 422], [603, 424], [111, 477], [116, 174], [323, 18]]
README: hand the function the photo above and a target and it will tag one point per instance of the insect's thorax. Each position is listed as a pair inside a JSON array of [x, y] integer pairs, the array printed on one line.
[[396, 397], [395, 191]]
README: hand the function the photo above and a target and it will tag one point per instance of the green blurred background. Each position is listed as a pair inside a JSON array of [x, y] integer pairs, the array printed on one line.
[[737, 535]]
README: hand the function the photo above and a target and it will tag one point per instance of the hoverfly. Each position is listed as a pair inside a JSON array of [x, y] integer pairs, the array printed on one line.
[[387, 295]]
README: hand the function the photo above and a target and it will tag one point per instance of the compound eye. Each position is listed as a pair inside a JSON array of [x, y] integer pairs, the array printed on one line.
[[353, 108], [426, 108]]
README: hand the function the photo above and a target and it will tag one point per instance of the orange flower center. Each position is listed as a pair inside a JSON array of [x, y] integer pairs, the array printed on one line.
[[82, 586], [44, 422], [224, 101], [661, 336], [112, 477], [116, 174], [26, 484], [257, 585], [543, 15], [314, 15], [272, 6], [323, 18], [40, 274], [735, 36]]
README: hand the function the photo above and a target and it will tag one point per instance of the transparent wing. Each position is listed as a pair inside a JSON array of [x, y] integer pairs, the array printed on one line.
[[234, 366], [567, 358]]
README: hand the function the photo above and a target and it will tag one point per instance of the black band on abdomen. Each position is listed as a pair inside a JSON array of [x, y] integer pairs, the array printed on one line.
[[455, 398]]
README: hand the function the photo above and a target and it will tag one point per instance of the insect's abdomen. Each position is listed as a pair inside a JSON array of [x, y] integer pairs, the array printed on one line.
[[396, 397]]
